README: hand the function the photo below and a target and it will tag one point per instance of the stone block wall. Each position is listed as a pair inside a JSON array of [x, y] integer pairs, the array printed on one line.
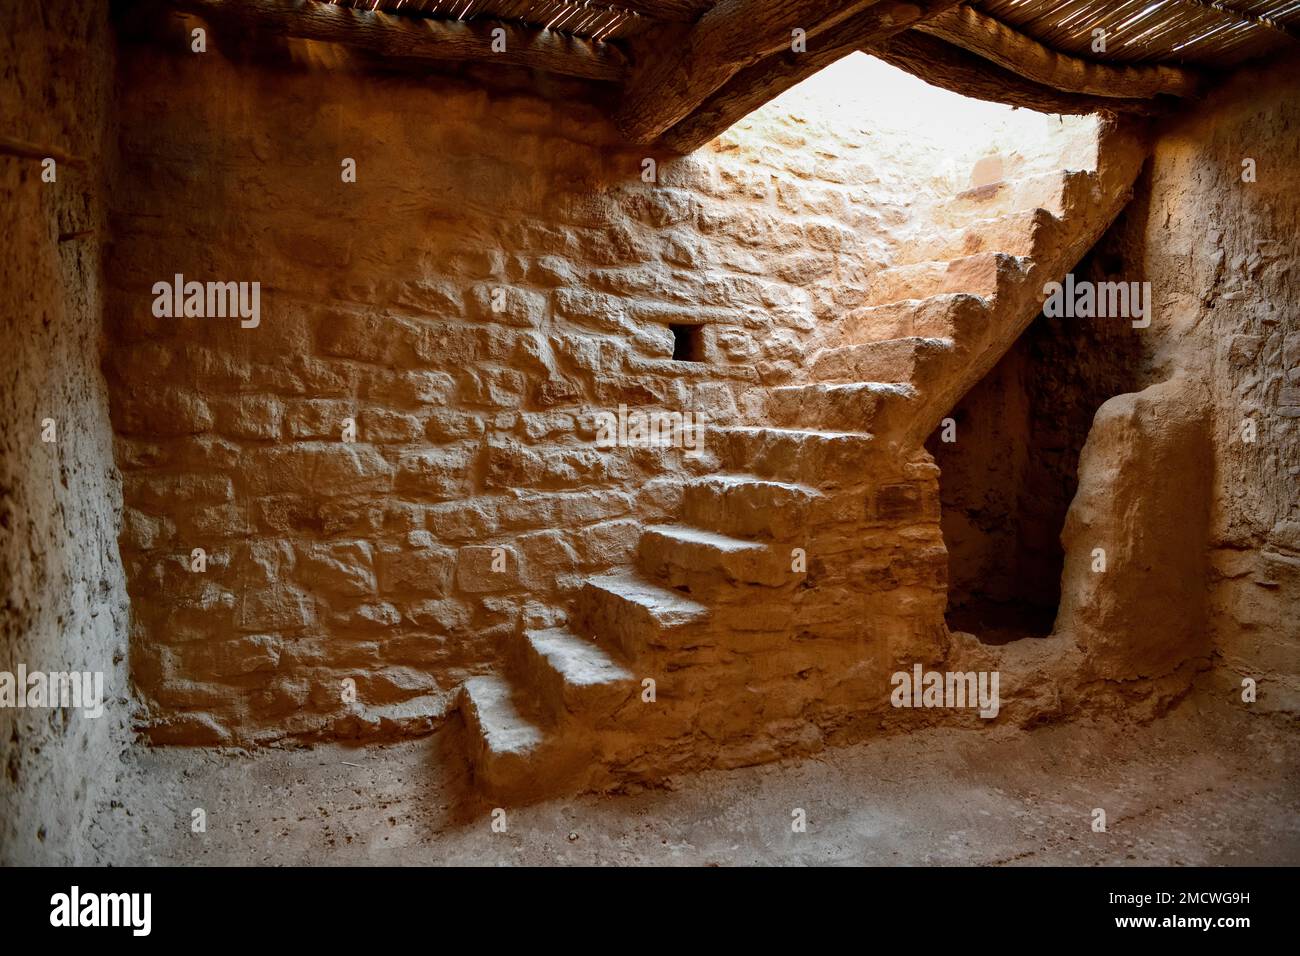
[[395, 463], [499, 273]]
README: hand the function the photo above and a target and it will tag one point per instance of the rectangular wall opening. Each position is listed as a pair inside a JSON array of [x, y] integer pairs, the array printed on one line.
[[688, 343]]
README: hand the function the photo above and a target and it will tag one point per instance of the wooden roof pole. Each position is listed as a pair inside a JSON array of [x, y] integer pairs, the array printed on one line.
[[677, 68], [942, 64], [770, 77], [1008, 48], [420, 38]]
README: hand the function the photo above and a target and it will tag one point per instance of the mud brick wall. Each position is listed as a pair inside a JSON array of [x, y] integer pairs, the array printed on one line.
[[63, 597], [498, 273], [1221, 255]]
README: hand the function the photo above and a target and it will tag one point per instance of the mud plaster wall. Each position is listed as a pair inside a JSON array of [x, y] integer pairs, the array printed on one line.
[[1008, 478], [1224, 260], [64, 601], [372, 561], [1221, 256]]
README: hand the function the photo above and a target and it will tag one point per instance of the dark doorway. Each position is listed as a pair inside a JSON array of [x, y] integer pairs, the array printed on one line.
[[1009, 476]]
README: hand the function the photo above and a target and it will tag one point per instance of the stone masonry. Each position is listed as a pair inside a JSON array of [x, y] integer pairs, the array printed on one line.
[[339, 513]]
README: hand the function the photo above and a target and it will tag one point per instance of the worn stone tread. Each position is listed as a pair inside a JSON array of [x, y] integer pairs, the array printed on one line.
[[491, 709], [667, 607], [580, 662]]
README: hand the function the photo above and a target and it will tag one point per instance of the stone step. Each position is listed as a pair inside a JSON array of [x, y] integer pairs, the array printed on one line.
[[1014, 233], [908, 360], [633, 613], [1056, 192], [707, 562], [827, 458], [749, 505], [848, 406], [977, 275], [503, 744], [572, 675], [949, 315]]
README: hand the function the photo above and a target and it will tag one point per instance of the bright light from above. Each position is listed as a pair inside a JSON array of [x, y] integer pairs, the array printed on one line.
[[933, 137], [861, 89]]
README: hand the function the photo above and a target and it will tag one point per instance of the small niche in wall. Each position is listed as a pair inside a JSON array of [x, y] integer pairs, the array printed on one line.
[[688, 343]]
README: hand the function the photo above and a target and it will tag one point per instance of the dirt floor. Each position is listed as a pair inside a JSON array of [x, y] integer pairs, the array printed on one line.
[[1205, 785]]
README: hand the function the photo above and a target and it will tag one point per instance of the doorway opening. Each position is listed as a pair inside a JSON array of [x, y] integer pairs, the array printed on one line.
[[1008, 455]]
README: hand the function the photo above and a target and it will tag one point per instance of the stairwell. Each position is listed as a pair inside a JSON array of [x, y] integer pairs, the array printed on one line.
[[766, 621]]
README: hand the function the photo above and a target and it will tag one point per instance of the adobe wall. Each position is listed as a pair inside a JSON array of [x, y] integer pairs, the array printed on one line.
[[63, 599], [1221, 254]]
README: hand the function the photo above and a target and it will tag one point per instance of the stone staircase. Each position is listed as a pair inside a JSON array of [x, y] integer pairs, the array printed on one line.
[[753, 651]]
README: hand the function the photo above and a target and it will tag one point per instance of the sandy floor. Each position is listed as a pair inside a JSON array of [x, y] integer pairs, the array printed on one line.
[[1198, 787]]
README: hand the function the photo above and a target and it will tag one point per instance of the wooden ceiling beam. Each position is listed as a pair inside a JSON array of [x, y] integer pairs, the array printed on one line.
[[756, 85], [952, 68], [676, 69], [397, 35], [998, 43]]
